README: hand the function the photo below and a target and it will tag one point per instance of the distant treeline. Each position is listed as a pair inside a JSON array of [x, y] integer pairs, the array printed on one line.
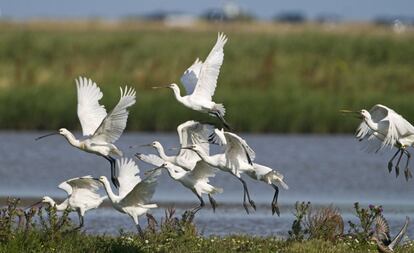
[[287, 82]]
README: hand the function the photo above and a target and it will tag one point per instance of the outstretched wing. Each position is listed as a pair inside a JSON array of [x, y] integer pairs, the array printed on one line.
[[237, 148], [114, 123], [150, 159], [143, 191], [400, 235], [202, 171], [128, 175], [381, 226], [190, 77], [210, 70], [90, 112], [193, 133], [84, 191]]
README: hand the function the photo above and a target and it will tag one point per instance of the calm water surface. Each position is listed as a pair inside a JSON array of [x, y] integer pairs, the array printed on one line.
[[321, 169]]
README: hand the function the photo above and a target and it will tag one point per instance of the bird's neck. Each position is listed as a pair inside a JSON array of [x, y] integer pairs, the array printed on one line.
[[206, 158], [162, 154], [72, 140], [178, 96], [110, 193], [371, 124]]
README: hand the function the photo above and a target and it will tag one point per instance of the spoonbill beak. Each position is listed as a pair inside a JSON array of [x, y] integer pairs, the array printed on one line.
[[160, 87], [174, 148], [33, 205], [46, 135], [143, 145], [146, 173], [189, 147], [356, 114]]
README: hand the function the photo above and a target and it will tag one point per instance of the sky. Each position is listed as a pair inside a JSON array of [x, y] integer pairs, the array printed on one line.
[[358, 10]]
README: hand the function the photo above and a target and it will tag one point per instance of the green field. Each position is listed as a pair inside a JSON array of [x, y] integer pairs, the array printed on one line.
[[275, 78]]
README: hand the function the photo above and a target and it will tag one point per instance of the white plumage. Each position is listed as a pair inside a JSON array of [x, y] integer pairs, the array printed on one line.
[[200, 81], [196, 180], [134, 194], [101, 129], [382, 127], [82, 196]]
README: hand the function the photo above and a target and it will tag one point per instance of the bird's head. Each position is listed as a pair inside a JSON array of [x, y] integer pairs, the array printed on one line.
[[156, 145], [365, 114], [47, 199], [63, 131], [102, 179]]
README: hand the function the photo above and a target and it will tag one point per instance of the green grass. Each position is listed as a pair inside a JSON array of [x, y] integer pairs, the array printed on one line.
[[290, 82]]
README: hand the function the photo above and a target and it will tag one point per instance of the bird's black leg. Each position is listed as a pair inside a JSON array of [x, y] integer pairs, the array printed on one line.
[[140, 232], [197, 208], [80, 221], [114, 177], [407, 171], [397, 168], [212, 202], [246, 193], [391, 160], [275, 207]]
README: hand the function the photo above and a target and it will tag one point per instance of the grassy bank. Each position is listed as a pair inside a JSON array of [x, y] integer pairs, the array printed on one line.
[[274, 78], [313, 231]]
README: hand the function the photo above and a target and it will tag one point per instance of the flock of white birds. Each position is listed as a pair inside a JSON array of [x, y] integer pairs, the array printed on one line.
[[193, 165]]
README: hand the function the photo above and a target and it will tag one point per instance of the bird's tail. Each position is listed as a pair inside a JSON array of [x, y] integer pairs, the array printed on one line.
[[277, 179], [216, 190], [219, 111]]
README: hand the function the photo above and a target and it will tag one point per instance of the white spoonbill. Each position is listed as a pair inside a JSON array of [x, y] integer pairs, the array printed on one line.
[[236, 159], [200, 81], [82, 196], [381, 234], [383, 124], [134, 194], [101, 129], [196, 180], [190, 133]]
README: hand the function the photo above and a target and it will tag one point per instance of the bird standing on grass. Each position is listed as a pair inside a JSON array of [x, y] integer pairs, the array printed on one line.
[[134, 194], [382, 126], [200, 81], [381, 235], [82, 196], [196, 180], [101, 129]]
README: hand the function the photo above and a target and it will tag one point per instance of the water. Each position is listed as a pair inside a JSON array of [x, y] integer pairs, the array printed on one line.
[[321, 169]]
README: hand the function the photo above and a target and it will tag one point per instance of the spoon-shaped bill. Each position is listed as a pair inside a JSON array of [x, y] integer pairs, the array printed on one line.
[[33, 205], [160, 87], [46, 135]]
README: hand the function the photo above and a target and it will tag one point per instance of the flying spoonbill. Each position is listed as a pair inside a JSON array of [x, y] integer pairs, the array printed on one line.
[[82, 196], [383, 124], [236, 159], [196, 180], [190, 133], [200, 81], [101, 129], [134, 194]]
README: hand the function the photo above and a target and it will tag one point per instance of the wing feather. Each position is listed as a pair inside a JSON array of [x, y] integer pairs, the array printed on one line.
[[151, 159], [114, 123], [90, 112], [202, 171], [207, 82], [128, 175], [143, 191], [190, 77]]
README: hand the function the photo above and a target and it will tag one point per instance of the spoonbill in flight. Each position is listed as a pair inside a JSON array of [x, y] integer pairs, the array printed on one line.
[[196, 180], [381, 235], [82, 196], [190, 133], [101, 129], [259, 172], [382, 126], [200, 81], [134, 194], [236, 159]]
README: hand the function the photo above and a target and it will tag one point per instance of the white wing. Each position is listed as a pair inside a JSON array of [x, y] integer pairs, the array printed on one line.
[[151, 159], [237, 148], [128, 177], [90, 112], [143, 191], [84, 191], [400, 235], [193, 133], [190, 77], [202, 171], [210, 70], [114, 123]]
